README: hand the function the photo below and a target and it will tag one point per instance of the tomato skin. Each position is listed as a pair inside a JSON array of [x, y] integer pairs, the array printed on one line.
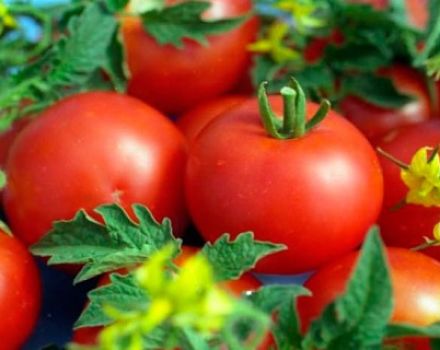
[[90, 149], [20, 293], [7, 138], [238, 179], [416, 285], [247, 282], [375, 121], [173, 79], [195, 120], [406, 227]]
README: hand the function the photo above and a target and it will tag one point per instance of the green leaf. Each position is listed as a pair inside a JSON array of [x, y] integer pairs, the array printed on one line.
[[117, 5], [407, 330], [75, 63], [122, 293], [114, 63], [358, 319], [358, 57], [184, 20], [379, 91], [3, 179], [118, 243], [281, 301], [191, 340], [230, 259]]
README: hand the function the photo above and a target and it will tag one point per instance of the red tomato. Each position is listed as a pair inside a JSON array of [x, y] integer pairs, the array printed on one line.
[[20, 293], [88, 336], [375, 121], [416, 284], [90, 149], [173, 79], [7, 137], [194, 121], [300, 192], [406, 227]]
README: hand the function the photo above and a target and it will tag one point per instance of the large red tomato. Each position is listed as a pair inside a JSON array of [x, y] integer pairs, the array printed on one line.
[[174, 79], [20, 293], [375, 121], [407, 225], [318, 194], [88, 336], [416, 287], [195, 120], [90, 149]]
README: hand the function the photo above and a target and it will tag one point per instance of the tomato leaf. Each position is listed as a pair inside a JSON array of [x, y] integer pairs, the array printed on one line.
[[123, 293], [73, 64], [358, 319], [184, 20], [376, 90], [117, 5], [119, 242], [281, 301], [407, 330], [230, 259]]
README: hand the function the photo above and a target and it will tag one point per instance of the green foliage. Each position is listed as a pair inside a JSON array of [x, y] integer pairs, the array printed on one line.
[[358, 319], [73, 64], [230, 259], [369, 40], [184, 20], [119, 242]]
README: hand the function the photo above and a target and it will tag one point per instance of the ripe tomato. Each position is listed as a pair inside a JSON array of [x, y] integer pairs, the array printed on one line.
[[375, 121], [20, 293], [90, 149], [416, 285], [173, 79], [194, 121], [406, 226], [323, 187], [88, 336], [7, 137]]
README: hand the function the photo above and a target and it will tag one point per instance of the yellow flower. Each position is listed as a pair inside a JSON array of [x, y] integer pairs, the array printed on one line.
[[6, 19], [303, 13], [436, 232], [422, 177], [273, 44], [179, 299]]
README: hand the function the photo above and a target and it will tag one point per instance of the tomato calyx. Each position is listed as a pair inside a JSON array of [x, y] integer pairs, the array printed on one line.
[[294, 123]]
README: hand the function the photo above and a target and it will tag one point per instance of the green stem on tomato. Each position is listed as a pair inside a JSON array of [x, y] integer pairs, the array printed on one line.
[[294, 124]]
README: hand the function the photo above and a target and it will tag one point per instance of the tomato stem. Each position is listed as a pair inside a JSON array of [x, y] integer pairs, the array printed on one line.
[[393, 159], [294, 123]]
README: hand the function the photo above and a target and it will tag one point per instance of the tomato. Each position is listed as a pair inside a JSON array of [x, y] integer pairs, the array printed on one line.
[[20, 293], [88, 336], [8, 136], [195, 120], [406, 226], [375, 121], [90, 149], [323, 187], [173, 79], [416, 287]]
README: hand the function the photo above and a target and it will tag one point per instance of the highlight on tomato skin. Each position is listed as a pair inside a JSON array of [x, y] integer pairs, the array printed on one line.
[[299, 192], [406, 225], [90, 149], [174, 80], [195, 120], [416, 286], [20, 293]]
